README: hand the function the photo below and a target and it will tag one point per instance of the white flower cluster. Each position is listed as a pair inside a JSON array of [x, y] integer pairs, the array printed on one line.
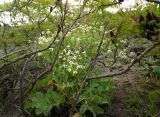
[[46, 37], [44, 40], [85, 28], [72, 60], [110, 51], [123, 41], [122, 54]]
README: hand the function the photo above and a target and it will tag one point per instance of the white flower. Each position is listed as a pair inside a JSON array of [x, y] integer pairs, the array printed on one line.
[[64, 59], [124, 56], [78, 39], [68, 46], [84, 52], [123, 41], [40, 53], [74, 57], [94, 31], [48, 32], [72, 38], [68, 33], [132, 54], [68, 53], [80, 66], [101, 28], [60, 57], [71, 62], [109, 51], [74, 72], [64, 65], [69, 69], [43, 33], [77, 52], [57, 41], [51, 49], [121, 53]]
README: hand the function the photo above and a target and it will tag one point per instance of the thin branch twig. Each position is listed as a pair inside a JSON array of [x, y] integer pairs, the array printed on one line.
[[15, 52], [21, 83]]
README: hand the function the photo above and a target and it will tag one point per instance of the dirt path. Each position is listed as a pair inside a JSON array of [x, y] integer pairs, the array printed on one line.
[[127, 85]]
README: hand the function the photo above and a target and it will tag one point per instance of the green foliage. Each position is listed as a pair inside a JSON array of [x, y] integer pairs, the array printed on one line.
[[146, 104], [153, 70], [92, 108], [134, 102], [95, 95], [67, 85], [5, 6], [156, 71], [78, 49], [154, 98], [44, 102]]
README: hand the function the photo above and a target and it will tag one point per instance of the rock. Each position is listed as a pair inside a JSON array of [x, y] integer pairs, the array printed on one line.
[[137, 50]]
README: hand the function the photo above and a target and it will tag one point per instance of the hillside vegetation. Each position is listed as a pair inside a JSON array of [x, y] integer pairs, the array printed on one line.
[[63, 60]]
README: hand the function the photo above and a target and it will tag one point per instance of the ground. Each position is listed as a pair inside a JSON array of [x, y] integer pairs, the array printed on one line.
[[132, 95], [127, 84]]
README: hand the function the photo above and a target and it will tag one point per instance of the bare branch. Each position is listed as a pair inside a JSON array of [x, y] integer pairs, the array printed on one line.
[[15, 52], [129, 66]]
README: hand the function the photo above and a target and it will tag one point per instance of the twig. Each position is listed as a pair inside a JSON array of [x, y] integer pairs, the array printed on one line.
[[93, 10], [9, 54], [114, 56]]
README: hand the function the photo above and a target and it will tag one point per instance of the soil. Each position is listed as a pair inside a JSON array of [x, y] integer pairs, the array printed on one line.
[[127, 84]]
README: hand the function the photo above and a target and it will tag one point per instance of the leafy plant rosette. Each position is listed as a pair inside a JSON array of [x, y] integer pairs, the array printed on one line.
[[44, 102], [95, 95]]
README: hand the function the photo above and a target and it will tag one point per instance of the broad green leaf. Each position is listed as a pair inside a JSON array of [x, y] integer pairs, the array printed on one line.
[[94, 109]]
